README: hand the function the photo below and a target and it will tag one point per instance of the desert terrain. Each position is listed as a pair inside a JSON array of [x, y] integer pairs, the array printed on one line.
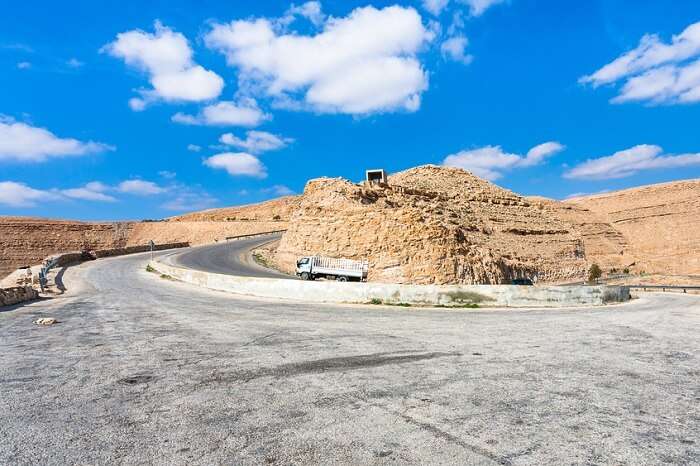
[[428, 225]]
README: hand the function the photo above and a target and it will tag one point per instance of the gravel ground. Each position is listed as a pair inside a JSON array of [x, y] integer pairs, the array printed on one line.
[[141, 369]]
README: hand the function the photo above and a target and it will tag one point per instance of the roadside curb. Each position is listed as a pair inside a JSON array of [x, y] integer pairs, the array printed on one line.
[[424, 295]]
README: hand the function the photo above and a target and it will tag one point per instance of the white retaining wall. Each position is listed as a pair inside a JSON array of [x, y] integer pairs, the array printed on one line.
[[447, 295]]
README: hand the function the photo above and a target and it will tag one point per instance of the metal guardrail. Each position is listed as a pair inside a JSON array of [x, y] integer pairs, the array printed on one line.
[[252, 235], [45, 268], [663, 287]]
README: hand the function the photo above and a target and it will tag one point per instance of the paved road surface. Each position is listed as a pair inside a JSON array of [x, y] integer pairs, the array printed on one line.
[[230, 258], [142, 370]]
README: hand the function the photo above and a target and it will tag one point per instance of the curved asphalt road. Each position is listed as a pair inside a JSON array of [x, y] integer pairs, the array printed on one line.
[[230, 258], [144, 370]]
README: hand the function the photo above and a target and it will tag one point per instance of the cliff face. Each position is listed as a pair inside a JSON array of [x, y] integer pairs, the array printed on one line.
[[434, 225], [661, 224], [27, 241]]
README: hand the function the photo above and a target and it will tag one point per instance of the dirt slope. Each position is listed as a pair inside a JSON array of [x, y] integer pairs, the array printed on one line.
[[660, 222]]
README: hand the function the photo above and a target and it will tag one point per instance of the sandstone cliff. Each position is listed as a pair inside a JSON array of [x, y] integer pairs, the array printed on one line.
[[661, 224], [435, 225]]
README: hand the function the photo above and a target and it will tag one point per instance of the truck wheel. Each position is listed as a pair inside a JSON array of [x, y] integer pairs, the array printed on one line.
[[305, 276], [342, 279]]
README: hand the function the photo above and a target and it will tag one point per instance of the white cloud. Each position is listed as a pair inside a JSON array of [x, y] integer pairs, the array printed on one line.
[[435, 6], [93, 191], [14, 194], [363, 63], [75, 63], [194, 148], [25, 143], [237, 164], [628, 162], [476, 7], [24, 65], [167, 57], [309, 10], [140, 187], [245, 113], [167, 174], [277, 190], [655, 71], [454, 49], [256, 141], [479, 7], [489, 162], [538, 154], [188, 199]]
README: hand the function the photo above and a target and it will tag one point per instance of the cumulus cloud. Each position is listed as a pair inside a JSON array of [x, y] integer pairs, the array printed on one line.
[[256, 142], [476, 7], [237, 164], [277, 190], [628, 162], [309, 10], [479, 7], [360, 64], [435, 6], [454, 49], [25, 143], [227, 113], [194, 148], [186, 198], [167, 58], [15, 194], [656, 71], [75, 63], [140, 187], [24, 65], [93, 191], [491, 161]]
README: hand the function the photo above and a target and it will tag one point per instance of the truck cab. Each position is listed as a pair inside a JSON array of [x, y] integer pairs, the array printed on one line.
[[303, 269]]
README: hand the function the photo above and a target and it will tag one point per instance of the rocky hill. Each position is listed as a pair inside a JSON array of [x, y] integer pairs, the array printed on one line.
[[661, 224], [435, 225]]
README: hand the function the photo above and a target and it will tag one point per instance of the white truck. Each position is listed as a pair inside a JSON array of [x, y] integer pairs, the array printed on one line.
[[342, 270]]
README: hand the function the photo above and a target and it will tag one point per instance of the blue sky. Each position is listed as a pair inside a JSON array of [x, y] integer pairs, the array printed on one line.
[[131, 110]]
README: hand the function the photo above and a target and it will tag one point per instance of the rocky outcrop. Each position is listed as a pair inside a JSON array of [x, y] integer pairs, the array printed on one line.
[[660, 223], [434, 225]]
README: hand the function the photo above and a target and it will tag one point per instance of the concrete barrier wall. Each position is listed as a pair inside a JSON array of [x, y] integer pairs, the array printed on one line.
[[134, 249], [447, 295], [16, 295]]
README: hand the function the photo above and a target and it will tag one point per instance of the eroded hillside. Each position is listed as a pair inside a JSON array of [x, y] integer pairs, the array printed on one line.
[[660, 222], [435, 225]]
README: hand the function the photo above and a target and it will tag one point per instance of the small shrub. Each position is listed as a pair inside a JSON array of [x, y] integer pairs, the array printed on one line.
[[594, 273], [375, 301], [276, 217], [149, 268], [626, 271]]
